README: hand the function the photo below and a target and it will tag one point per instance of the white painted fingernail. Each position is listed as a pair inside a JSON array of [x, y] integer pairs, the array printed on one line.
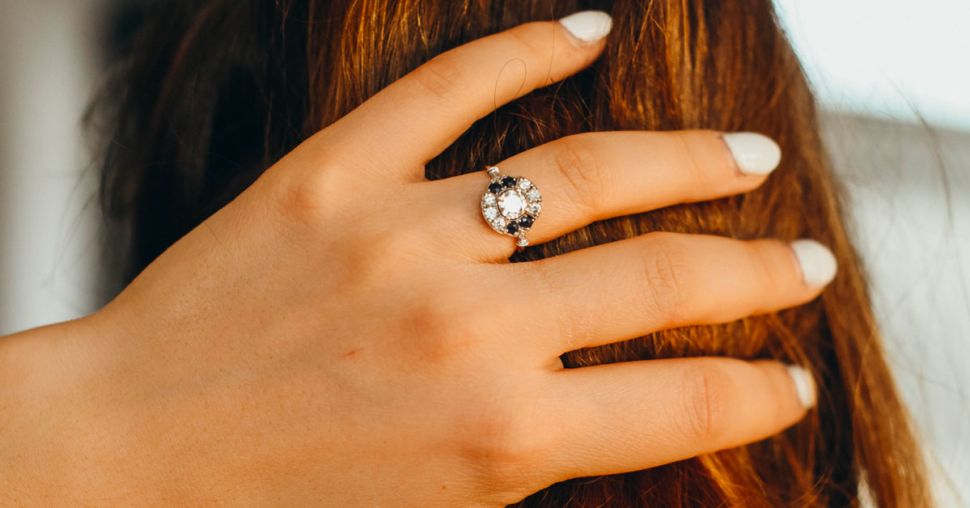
[[804, 385], [817, 261], [755, 154], [588, 26]]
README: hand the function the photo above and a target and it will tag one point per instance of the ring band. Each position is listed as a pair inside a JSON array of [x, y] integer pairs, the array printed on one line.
[[511, 205]]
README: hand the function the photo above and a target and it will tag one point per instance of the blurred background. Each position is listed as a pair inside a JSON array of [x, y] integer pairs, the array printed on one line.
[[893, 78]]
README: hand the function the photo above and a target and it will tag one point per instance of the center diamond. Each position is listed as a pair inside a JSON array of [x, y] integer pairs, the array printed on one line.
[[512, 204]]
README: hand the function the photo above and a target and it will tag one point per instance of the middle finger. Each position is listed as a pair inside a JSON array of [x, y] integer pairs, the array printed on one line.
[[633, 287]]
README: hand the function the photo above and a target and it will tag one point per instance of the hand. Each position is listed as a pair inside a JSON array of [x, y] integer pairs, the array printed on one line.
[[347, 333]]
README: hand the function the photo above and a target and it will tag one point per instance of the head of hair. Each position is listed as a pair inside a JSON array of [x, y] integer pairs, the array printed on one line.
[[207, 94]]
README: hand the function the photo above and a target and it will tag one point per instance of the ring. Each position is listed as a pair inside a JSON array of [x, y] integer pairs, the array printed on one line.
[[510, 205]]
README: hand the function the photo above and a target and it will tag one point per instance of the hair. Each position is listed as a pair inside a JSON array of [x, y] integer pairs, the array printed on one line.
[[207, 94]]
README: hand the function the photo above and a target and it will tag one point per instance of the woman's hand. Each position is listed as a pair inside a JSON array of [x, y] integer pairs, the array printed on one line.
[[347, 333]]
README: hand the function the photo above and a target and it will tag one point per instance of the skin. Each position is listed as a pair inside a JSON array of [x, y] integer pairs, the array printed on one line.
[[333, 336]]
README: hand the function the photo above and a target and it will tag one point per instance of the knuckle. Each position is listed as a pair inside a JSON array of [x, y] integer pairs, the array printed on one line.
[[706, 394], [667, 274], [506, 447], [311, 197], [395, 244], [441, 77], [585, 180]]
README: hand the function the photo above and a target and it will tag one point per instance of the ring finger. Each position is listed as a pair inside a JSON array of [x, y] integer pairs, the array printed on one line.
[[594, 176]]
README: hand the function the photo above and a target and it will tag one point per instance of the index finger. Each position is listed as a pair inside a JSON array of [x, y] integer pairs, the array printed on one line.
[[415, 118]]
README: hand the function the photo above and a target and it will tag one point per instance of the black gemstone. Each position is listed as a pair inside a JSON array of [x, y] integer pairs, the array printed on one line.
[[508, 181], [526, 222], [512, 228], [494, 187]]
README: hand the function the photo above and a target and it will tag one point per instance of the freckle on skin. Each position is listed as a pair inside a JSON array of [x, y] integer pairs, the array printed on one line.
[[351, 353]]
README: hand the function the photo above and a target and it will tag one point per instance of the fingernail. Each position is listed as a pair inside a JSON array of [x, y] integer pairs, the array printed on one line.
[[755, 154], [804, 385], [817, 261], [588, 26]]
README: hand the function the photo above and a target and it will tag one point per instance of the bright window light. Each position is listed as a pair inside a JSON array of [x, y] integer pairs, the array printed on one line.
[[897, 59]]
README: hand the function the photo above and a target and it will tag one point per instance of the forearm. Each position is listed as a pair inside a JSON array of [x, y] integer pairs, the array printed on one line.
[[45, 413], [77, 428]]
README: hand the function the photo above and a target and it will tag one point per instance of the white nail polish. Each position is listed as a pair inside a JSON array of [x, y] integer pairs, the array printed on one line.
[[755, 154], [804, 385], [588, 26], [817, 261]]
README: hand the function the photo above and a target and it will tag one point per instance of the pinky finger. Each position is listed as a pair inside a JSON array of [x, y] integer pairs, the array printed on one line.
[[632, 416]]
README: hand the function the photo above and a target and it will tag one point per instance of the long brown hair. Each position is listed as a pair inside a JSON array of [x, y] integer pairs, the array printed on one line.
[[212, 92]]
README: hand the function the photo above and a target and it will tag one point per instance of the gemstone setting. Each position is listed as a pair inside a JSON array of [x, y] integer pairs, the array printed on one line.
[[511, 205]]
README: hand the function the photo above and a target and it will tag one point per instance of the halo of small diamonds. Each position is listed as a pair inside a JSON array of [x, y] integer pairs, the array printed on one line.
[[511, 205]]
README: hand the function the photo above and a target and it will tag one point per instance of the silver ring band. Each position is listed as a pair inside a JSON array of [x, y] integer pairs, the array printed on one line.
[[511, 205]]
